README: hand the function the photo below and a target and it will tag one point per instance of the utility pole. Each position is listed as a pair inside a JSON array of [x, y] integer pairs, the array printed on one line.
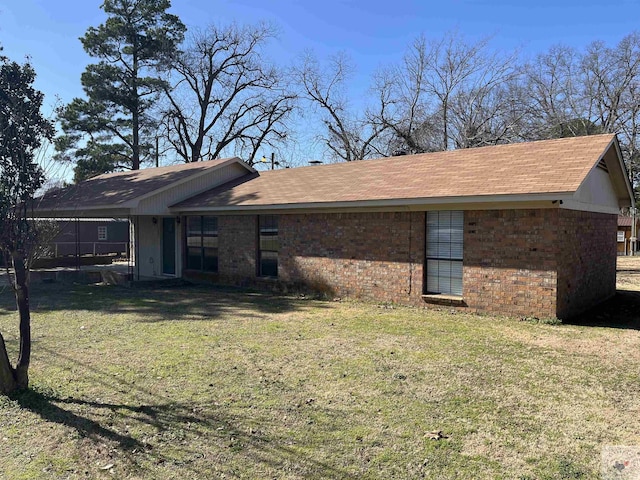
[[273, 160], [157, 153]]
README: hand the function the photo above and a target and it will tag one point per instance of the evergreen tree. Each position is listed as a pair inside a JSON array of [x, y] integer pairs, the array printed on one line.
[[111, 128]]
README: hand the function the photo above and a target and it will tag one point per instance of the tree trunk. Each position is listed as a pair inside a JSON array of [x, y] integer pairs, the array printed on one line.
[[135, 160], [22, 302], [12, 379], [8, 382]]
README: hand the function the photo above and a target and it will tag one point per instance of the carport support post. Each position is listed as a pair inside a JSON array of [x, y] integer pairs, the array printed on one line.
[[78, 244], [136, 249], [633, 241]]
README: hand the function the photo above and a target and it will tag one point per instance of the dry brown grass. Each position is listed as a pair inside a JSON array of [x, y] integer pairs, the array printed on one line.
[[192, 382], [628, 277]]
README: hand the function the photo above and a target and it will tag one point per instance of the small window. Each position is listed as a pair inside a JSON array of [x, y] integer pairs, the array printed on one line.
[[102, 232], [620, 236], [444, 252], [268, 246], [202, 243]]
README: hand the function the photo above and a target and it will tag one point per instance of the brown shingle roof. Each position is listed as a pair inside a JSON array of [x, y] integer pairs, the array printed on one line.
[[550, 166], [116, 189]]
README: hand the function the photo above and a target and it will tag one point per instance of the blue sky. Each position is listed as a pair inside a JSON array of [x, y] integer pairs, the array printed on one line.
[[373, 32]]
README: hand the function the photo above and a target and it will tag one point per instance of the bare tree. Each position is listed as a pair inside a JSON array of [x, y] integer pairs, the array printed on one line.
[[486, 108], [490, 113], [409, 113], [612, 84], [348, 136], [557, 103], [448, 93], [225, 95], [450, 63]]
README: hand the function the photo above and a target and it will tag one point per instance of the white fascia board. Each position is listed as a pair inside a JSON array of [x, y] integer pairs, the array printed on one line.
[[479, 202], [588, 207], [134, 203], [623, 169], [84, 219], [92, 212]]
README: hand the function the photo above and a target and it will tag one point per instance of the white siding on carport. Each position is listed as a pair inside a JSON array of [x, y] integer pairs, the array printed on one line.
[[158, 204], [149, 237], [149, 251]]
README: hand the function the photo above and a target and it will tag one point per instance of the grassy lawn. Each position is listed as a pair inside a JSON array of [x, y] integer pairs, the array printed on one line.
[[197, 383]]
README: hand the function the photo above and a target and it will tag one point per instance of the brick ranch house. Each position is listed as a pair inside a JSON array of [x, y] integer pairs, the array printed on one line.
[[520, 229]]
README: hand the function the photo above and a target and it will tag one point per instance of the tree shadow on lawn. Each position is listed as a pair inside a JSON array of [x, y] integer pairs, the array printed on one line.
[[44, 404], [157, 303], [174, 425], [621, 311]]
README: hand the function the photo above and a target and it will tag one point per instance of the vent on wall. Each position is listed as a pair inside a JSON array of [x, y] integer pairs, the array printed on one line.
[[603, 165]]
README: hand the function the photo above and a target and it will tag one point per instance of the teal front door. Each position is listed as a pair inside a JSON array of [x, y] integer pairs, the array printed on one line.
[[168, 246]]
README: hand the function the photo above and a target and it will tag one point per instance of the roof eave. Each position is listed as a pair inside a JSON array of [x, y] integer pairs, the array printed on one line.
[[95, 212], [625, 174], [621, 171], [550, 198]]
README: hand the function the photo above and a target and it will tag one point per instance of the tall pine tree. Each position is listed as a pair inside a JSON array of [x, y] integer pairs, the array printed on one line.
[[111, 128]]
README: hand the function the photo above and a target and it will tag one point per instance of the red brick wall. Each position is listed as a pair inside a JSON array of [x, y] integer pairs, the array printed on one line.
[[376, 256], [511, 257], [237, 240], [510, 261], [586, 260]]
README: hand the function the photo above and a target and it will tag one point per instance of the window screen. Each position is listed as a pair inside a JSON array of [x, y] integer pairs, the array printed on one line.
[[444, 252]]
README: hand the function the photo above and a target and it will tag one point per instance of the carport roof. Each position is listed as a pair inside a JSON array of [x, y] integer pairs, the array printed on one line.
[[123, 190]]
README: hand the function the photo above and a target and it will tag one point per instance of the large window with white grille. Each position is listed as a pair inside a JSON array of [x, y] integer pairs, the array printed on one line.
[[444, 252], [202, 243]]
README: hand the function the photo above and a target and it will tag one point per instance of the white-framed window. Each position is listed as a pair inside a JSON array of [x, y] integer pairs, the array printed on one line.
[[444, 252], [102, 232], [620, 236]]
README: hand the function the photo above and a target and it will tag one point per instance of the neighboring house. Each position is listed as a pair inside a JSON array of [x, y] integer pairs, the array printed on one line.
[[520, 229], [90, 236], [626, 246]]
